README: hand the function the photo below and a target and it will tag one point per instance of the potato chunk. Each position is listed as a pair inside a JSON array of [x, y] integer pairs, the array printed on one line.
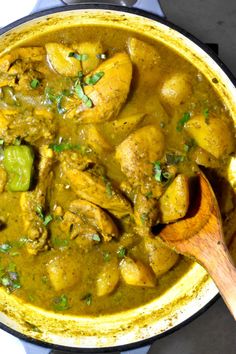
[[139, 150], [203, 158], [92, 50], [134, 272], [176, 89], [174, 202], [147, 62], [95, 139], [63, 272], [119, 129], [215, 136], [109, 93], [58, 56], [108, 278], [161, 257]]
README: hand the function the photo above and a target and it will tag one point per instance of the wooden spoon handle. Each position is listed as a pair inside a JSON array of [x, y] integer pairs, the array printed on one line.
[[219, 265]]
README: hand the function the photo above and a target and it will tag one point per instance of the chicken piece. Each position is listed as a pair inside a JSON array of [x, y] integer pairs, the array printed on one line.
[[96, 217], [76, 160], [119, 129], [92, 216], [28, 54], [108, 95], [137, 153], [145, 212], [32, 203], [215, 135], [108, 278], [94, 189], [3, 179], [174, 202], [84, 234], [176, 89], [34, 127], [95, 140], [91, 185], [136, 273], [63, 272], [61, 61], [161, 257], [92, 50], [147, 62]]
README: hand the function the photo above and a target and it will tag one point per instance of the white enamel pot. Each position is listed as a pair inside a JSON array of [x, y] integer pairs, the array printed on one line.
[[194, 292]]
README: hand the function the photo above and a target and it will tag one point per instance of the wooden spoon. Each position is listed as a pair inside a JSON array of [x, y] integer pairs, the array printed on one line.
[[200, 236]]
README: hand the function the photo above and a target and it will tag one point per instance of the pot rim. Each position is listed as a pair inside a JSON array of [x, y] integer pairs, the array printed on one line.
[[229, 74]]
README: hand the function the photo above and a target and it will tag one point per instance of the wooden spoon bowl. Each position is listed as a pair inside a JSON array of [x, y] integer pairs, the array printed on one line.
[[200, 236]]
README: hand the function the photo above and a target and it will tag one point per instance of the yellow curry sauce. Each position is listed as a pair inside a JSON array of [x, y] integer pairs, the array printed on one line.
[[101, 134]]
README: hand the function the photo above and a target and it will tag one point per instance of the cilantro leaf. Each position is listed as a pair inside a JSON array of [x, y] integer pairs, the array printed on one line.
[[185, 118], [84, 98], [92, 80], [35, 83], [88, 299], [121, 252], [81, 57], [61, 303]]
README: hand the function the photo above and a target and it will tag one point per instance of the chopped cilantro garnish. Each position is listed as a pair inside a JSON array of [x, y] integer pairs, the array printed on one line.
[[10, 278], [17, 141], [85, 99], [92, 80], [96, 237], [5, 247], [206, 115], [189, 144], [48, 218], [144, 218], [39, 211], [61, 303], [173, 159], [157, 171], [160, 173], [149, 195], [106, 256], [185, 118], [108, 186], [34, 83], [121, 252], [59, 242], [81, 57], [87, 299], [64, 146]]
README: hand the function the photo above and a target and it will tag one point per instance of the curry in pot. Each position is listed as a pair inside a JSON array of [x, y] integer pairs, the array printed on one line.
[[101, 133]]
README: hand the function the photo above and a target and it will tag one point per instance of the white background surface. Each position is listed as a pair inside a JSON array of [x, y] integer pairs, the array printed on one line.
[[11, 10]]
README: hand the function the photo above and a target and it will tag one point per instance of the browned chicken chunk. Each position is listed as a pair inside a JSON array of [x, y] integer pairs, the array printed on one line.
[[91, 216], [33, 203]]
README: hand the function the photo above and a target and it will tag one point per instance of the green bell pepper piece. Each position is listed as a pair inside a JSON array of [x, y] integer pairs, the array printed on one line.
[[18, 162]]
